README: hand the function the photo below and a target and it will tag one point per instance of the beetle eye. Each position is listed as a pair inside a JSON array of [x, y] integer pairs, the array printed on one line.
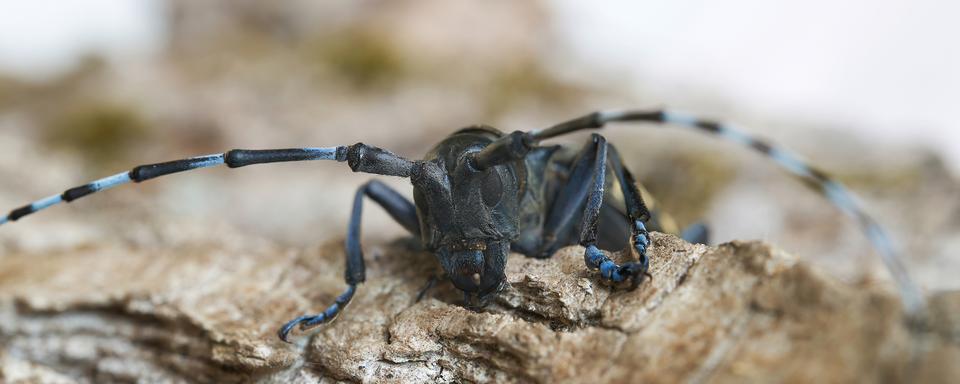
[[491, 188]]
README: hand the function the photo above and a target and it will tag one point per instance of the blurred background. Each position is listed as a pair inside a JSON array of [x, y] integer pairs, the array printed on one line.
[[863, 89]]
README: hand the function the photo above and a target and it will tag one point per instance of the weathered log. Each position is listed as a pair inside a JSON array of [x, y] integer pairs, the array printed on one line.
[[208, 313]]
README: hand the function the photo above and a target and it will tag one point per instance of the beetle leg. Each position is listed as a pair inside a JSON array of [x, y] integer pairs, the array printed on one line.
[[569, 200], [593, 256], [584, 189], [637, 211], [400, 209]]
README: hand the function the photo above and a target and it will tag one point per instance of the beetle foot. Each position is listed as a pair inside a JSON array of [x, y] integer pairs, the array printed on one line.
[[307, 322], [609, 270]]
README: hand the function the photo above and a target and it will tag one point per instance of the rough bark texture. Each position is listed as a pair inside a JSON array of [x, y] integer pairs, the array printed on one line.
[[208, 313]]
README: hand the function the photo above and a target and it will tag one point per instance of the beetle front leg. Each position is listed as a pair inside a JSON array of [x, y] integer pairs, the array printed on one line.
[[593, 257], [637, 211], [400, 209]]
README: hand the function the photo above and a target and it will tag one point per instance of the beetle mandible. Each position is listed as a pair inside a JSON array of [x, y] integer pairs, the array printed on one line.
[[480, 194]]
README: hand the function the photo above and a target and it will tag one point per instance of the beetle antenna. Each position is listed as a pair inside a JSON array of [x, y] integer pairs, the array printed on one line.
[[833, 190]]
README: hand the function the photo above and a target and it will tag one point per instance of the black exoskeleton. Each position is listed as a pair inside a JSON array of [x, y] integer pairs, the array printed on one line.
[[480, 194]]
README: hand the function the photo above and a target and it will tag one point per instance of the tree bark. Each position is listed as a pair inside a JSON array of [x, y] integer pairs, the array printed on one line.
[[208, 312]]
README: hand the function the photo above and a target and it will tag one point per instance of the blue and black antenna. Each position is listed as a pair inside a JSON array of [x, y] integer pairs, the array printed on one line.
[[833, 190], [233, 159]]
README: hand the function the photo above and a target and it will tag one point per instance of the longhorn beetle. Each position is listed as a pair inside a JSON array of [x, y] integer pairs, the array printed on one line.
[[480, 194]]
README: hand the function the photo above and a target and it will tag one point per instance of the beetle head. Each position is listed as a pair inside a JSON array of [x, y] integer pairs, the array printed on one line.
[[468, 216]]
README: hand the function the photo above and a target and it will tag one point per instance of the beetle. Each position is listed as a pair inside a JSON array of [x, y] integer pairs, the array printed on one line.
[[481, 194]]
